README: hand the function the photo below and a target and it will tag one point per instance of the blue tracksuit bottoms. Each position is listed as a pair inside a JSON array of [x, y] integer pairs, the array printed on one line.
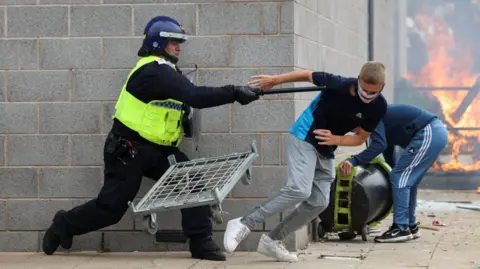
[[406, 175]]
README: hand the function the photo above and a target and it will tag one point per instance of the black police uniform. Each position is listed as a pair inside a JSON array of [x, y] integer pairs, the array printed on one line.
[[128, 157]]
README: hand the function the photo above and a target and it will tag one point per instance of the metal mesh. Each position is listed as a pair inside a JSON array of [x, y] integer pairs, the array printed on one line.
[[193, 182]]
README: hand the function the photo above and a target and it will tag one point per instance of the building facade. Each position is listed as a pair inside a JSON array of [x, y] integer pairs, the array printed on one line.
[[62, 66]]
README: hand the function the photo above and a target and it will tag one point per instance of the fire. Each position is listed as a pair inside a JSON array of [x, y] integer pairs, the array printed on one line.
[[445, 70]]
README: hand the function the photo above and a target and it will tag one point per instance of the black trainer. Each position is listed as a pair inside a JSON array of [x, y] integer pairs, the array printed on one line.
[[415, 230], [394, 234], [206, 249]]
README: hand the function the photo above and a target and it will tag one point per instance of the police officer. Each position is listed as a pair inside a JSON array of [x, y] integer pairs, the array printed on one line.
[[146, 130]]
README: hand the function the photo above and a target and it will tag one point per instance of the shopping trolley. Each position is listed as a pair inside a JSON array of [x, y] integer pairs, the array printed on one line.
[[198, 182]]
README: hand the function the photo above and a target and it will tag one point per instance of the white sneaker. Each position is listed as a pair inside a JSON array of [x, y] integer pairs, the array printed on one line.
[[275, 249], [234, 234]]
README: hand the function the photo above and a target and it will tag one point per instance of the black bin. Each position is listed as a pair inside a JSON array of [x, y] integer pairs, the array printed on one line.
[[364, 198]]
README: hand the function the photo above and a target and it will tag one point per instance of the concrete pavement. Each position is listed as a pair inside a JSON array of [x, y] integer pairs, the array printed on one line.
[[454, 246]]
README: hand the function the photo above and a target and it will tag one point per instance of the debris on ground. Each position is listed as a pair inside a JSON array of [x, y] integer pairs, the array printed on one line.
[[428, 228], [474, 208], [342, 257], [437, 223]]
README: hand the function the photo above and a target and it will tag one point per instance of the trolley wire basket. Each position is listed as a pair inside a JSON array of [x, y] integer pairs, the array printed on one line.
[[198, 182]]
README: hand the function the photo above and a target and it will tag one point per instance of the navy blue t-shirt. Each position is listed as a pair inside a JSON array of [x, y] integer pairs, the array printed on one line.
[[337, 110], [397, 128]]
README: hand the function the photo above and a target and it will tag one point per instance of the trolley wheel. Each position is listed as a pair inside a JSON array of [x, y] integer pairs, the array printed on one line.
[[150, 223], [247, 179], [364, 232], [347, 235], [216, 214], [320, 231]]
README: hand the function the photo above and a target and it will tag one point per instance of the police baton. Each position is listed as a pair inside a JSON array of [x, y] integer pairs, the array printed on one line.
[[288, 90]]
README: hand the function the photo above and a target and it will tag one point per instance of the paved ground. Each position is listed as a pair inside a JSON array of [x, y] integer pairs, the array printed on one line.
[[454, 246]]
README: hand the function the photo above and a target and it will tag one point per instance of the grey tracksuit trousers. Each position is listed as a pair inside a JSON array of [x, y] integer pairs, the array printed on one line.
[[307, 184]]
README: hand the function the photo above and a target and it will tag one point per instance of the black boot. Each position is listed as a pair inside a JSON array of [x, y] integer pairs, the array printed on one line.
[[57, 234], [206, 249]]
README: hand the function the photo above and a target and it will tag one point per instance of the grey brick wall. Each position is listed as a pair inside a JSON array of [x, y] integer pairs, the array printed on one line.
[[62, 65], [384, 38]]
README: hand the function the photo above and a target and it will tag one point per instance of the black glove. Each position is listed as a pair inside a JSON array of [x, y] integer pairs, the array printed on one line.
[[244, 94]]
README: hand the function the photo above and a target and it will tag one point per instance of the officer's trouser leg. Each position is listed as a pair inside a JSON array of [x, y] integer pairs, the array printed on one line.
[[121, 184], [122, 179], [195, 220]]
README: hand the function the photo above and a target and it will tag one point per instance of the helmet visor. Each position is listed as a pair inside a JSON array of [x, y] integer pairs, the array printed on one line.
[[177, 36]]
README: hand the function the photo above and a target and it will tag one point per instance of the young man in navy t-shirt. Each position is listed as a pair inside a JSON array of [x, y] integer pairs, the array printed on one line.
[[423, 137], [348, 104]]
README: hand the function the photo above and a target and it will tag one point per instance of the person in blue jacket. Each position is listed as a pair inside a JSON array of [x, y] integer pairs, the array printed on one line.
[[347, 104], [423, 137]]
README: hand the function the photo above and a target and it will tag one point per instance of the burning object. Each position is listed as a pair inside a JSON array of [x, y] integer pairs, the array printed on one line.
[[446, 86]]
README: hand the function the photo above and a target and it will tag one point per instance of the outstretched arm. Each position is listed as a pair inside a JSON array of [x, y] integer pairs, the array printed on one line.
[[318, 78], [295, 76], [176, 86]]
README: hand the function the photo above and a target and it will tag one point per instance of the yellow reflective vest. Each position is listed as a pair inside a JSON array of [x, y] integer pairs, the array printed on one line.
[[159, 121]]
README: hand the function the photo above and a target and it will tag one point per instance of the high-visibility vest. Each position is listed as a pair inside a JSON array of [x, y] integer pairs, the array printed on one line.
[[159, 121]]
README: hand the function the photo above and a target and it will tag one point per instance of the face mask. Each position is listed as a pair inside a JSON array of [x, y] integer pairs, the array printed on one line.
[[365, 97]]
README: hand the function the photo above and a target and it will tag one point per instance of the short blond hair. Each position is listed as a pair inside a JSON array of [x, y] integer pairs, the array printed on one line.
[[373, 73]]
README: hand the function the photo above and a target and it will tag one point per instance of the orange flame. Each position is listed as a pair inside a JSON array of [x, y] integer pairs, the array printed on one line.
[[444, 70]]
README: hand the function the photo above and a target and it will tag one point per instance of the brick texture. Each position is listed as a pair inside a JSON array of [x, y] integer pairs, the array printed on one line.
[[63, 64]]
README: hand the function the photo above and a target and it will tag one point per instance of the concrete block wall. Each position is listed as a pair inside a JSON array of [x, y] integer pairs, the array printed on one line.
[[384, 40], [63, 63]]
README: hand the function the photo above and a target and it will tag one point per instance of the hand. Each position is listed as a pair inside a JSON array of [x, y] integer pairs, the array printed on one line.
[[346, 167], [326, 137], [263, 81], [245, 95]]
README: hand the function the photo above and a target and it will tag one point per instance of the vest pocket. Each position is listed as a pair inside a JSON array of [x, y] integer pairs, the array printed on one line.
[[161, 124], [171, 122], [154, 122]]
